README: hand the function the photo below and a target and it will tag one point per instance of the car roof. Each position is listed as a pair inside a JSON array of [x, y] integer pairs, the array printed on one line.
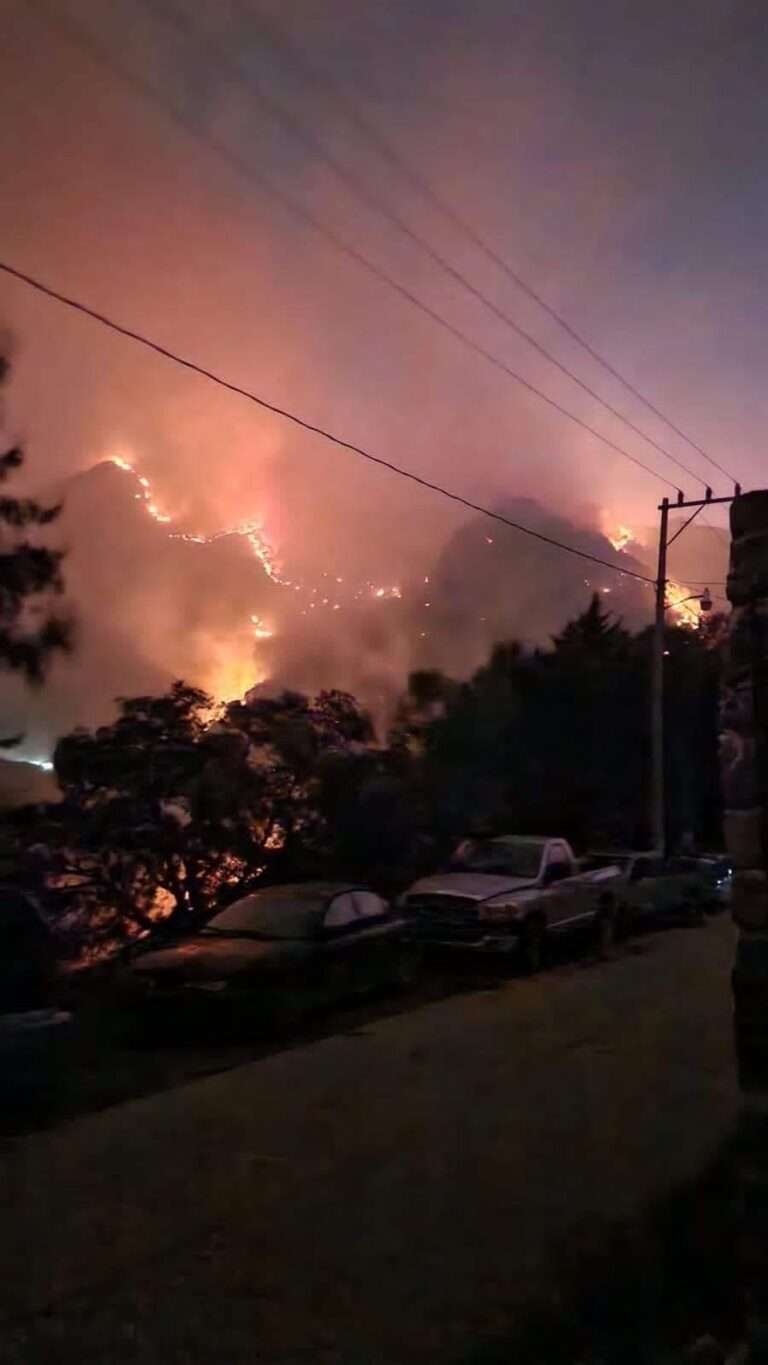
[[318, 888], [620, 853], [321, 892], [510, 839]]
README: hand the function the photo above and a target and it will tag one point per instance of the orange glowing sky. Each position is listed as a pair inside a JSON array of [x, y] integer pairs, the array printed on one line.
[[139, 192]]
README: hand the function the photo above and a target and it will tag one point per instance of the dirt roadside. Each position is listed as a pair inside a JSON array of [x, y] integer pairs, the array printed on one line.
[[399, 1193]]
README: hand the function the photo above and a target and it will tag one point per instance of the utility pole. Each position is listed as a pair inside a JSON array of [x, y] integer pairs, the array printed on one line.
[[658, 813], [658, 802]]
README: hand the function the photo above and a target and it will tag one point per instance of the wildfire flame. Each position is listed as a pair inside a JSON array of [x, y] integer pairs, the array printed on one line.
[[232, 670], [233, 665], [260, 630], [622, 537], [255, 534], [232, 674], [253, 531], [145, 489], [262, 549], [684, 608]]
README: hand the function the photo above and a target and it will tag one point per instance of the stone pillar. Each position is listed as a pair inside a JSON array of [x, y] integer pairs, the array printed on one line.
[[744, 766]]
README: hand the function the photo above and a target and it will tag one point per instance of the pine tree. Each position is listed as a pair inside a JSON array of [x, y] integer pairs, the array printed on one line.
[[30, 632]]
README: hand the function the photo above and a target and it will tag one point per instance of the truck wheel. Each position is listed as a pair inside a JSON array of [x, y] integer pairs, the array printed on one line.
[[532, 944], [605, 926]]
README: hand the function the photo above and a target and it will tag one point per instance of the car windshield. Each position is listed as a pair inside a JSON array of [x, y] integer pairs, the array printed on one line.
[[502, 856], [280, 912]]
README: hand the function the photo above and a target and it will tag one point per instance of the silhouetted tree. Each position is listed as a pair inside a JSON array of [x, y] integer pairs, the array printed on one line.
[[558, 740], [177, 807], [30, 633], [125, 845]]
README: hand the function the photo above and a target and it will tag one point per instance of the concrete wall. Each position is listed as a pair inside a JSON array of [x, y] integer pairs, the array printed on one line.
[[744, 766]]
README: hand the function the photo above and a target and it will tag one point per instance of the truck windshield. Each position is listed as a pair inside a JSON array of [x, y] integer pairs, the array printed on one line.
[[501, 856]]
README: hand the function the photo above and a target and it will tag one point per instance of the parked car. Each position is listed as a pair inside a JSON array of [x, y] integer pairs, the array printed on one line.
[[274, 954], [653, 888], [33, 1033], [509, 894], [27, 953], [716, 872], [33, 1055]]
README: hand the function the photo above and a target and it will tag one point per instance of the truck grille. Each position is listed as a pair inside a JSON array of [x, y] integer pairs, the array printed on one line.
[[448, 918]]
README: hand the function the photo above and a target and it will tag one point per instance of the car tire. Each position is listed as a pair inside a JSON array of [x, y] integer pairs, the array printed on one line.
[[606, 924], [696, 907], [407, 968], [624, 922], [533, 941], [280, 1018]]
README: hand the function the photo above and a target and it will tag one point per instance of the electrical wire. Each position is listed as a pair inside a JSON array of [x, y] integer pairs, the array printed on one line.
[[281, 41], [305, 215], [379, 205], [192, 365]]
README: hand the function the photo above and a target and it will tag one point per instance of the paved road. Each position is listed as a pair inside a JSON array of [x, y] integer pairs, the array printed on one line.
[[375, 1198]]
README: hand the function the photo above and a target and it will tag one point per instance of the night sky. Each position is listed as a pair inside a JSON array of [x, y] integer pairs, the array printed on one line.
[[613, 154]]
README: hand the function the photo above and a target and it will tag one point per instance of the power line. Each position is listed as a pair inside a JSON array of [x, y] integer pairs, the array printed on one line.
[[305, 425], [379, 205], [280, 40], [305, 215]]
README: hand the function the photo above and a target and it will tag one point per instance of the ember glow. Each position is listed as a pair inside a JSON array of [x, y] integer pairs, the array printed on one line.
[[386, 592]]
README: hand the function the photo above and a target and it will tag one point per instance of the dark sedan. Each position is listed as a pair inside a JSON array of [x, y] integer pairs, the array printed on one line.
[[276, 953], [655, 889]]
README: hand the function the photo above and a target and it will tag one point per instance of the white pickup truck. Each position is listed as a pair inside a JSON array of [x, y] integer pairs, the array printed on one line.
[[509, 893]]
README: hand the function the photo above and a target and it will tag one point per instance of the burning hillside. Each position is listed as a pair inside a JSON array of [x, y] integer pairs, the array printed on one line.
[[157, 598]]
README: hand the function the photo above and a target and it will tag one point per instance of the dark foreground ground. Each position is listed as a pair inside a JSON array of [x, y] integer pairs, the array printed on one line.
[[535, 1171]]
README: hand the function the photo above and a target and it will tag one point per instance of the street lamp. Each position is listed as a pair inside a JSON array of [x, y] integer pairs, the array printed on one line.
[[703, 598]]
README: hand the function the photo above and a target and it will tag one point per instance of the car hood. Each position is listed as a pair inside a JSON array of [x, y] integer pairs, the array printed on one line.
[[210, 959], [472, 886]]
